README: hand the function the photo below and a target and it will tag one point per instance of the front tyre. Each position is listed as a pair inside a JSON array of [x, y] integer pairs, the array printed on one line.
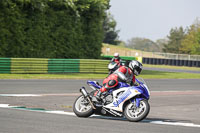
[[82, 107], [135, 114]]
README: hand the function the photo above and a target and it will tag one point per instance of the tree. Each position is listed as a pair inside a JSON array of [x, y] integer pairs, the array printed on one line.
[[161, 43], [175, 37], [110, 32], [191, 43], [52, 28], [143, 44]]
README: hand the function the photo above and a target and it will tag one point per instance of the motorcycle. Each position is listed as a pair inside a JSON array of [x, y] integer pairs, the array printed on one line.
[[112, 66], [124, 100]]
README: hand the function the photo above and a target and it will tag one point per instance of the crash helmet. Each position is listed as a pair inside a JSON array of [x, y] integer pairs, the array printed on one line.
[[116, 55], [136, 67]]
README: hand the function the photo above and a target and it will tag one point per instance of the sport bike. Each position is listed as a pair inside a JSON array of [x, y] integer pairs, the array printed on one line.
[[112, 66], [124, 100]]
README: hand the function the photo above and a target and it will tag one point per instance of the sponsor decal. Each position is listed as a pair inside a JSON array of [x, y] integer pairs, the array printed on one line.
[[122, 98]]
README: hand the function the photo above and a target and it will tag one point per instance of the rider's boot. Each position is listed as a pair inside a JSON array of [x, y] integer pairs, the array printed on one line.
[[97, 97]]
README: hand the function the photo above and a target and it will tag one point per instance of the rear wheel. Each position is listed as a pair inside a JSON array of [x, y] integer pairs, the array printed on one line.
[[135, 114], [82, 107]]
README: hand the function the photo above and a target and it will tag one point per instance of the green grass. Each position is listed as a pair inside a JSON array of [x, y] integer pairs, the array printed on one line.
[[173, 67], [146, 74]]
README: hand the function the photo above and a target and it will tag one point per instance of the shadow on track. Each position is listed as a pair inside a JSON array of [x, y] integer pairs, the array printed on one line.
[[147, 120]]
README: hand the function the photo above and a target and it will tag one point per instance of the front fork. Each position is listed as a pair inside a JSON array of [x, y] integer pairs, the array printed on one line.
[[136, 101]]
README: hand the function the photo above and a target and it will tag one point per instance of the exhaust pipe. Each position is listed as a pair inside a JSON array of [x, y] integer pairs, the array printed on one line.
[[85, 94]]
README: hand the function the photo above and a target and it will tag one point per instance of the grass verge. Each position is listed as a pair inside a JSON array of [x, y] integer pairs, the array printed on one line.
[[173, 67], [146, 74]]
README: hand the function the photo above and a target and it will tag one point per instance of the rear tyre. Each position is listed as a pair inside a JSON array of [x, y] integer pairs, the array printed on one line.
[[82, 107], [135, 114]]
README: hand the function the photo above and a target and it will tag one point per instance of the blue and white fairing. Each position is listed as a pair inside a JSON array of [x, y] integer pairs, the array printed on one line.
[[128, 93], [143, 88]]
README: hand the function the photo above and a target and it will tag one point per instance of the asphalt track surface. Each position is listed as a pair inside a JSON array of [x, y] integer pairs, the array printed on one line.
[[175, 108]]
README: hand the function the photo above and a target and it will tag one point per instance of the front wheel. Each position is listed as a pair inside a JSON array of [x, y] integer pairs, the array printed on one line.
[[135, 114], [82, 107]]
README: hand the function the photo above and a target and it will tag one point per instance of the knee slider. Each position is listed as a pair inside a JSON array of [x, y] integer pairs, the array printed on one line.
[[112, 83]]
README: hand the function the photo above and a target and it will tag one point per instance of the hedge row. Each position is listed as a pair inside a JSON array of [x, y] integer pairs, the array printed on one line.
[[52, 28]]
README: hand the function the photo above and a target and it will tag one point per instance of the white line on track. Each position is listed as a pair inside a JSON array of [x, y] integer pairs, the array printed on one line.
[[154, 93], [19, 95], [175, 123], [39, 95], [104, 117]]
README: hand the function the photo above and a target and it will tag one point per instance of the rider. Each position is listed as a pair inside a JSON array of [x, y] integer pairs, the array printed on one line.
[[115, 62], [116, 58], [122, 74]]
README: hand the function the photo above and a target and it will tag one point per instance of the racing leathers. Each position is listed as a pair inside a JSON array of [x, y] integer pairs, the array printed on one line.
[[117, 60], [122, 74]]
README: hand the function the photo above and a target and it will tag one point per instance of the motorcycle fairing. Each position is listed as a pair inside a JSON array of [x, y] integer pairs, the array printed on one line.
[[128, 93], [144, 92]]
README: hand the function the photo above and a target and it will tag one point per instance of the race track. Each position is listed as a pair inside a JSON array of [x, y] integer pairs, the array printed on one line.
[[46, 107]]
